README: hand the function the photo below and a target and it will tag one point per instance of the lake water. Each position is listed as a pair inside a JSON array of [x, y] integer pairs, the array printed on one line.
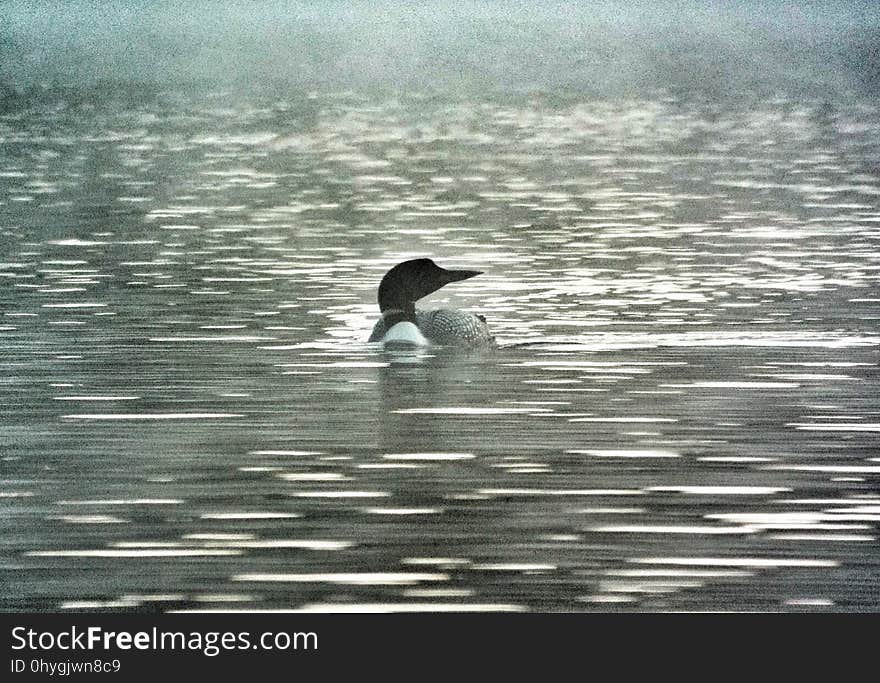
[[682, 413]]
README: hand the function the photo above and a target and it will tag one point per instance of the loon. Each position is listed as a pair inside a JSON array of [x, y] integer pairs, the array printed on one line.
[[408, 282]]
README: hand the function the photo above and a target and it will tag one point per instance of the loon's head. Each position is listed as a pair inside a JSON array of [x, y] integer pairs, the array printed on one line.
[[409, 281]]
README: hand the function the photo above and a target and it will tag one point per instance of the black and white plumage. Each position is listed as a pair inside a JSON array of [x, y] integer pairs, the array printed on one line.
[[408, 282], [445, 327]]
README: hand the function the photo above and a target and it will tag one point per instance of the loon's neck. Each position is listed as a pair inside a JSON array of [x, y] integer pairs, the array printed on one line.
[[404, 313]]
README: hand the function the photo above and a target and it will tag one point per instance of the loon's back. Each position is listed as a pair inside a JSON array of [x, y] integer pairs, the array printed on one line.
[[446, 327]]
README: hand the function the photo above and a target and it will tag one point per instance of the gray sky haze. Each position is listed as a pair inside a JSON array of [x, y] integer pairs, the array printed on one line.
[[603, 47]]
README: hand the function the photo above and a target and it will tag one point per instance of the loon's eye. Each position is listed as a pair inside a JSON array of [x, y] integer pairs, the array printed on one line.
[[482, 318]]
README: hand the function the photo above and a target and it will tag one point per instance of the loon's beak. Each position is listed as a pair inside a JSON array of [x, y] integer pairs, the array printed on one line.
[[459, 275]]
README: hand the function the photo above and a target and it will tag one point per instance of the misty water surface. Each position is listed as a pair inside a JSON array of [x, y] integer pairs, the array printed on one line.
[[682, 413]]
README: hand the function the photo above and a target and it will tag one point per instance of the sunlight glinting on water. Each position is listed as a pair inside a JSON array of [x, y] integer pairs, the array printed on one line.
[[284, 452], [720, 490], [376, 608], [313, 476], [224, 597], [250, 515], [150, 416], [690, 283], [95, 398], [123, 502], [560, 492], [752, 562], [832, 427], [80, 605], [690, 530], [341, 494], [514, 567], [438, 561], [90, 519], [402, 511], [617, 453], [133, 553], [361, 579], [280, 543]]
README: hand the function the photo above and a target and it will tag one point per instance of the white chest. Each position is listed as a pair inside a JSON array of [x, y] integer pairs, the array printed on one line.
[[405, 333]]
